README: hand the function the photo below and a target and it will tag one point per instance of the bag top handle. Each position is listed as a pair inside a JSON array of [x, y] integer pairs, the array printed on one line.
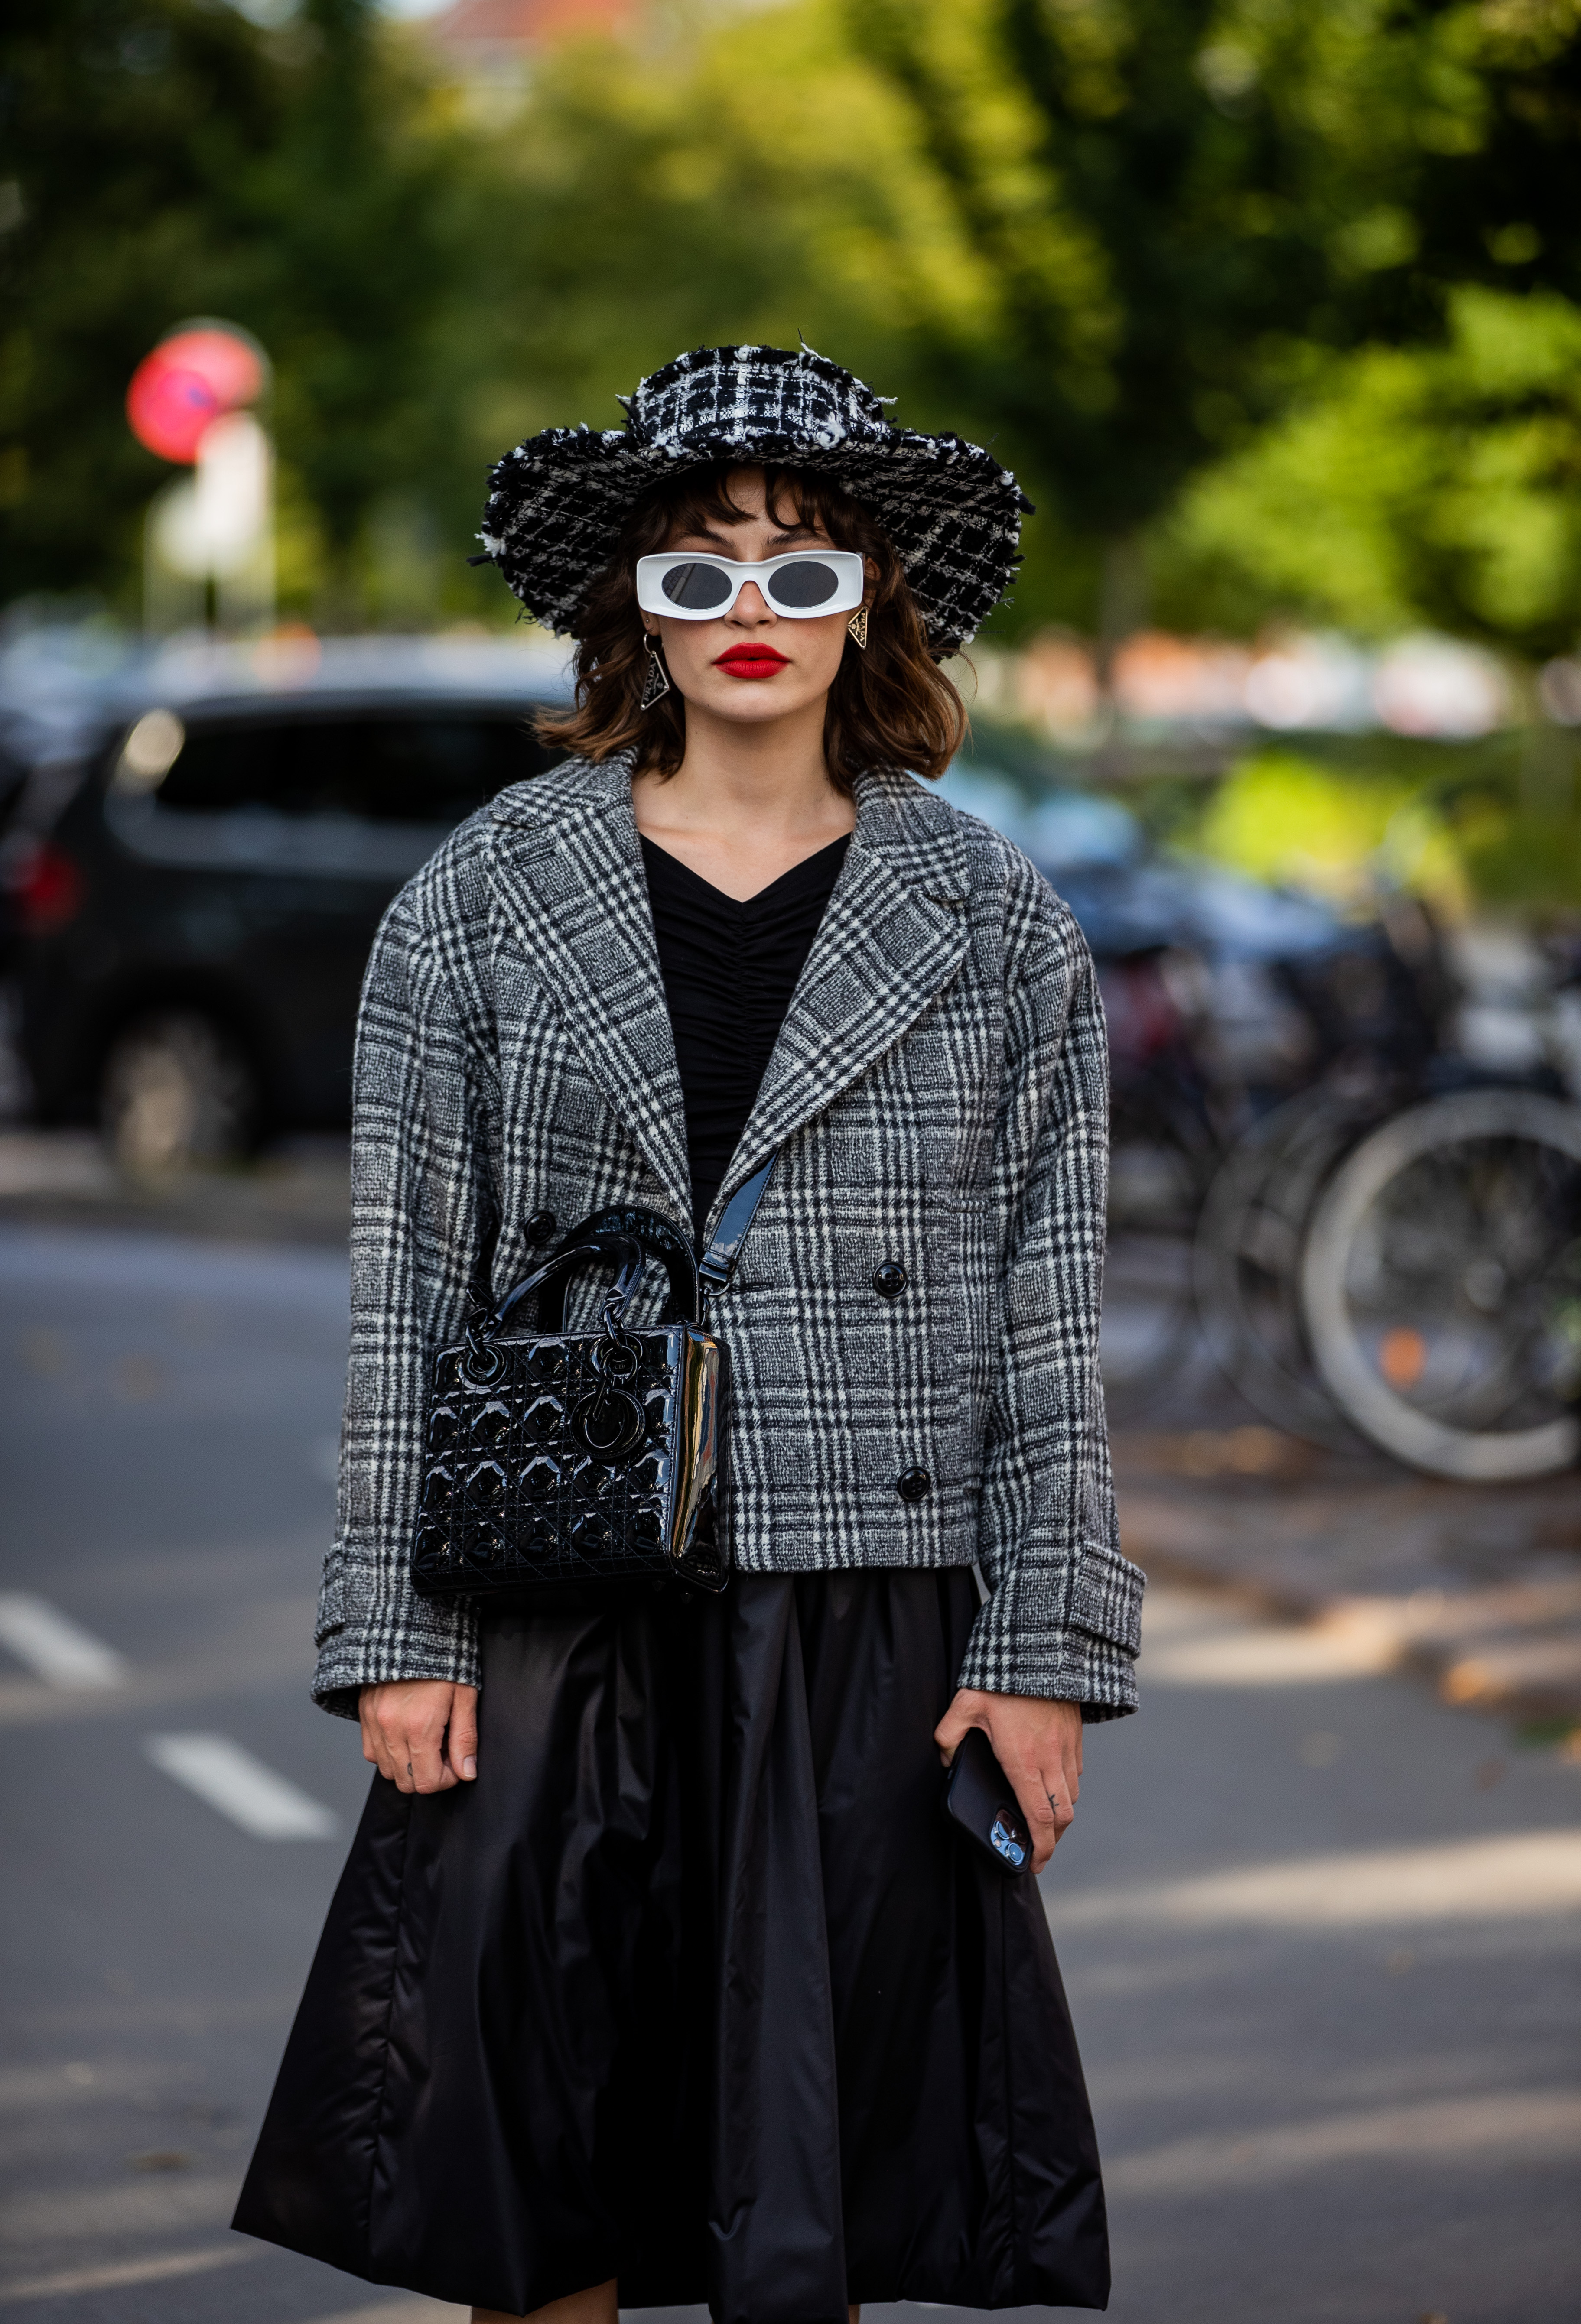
[[621, 1235], [660, 1240], [626, 1253]]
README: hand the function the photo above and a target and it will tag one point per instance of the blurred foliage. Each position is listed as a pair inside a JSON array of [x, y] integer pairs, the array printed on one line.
[[1514, 811], [124, 129], [1282, 816], [1441, 485], [1143, 225], [1269, 303], [166, 158], [745, 186], [1111, 238], [1179, 208], [1493, 823]]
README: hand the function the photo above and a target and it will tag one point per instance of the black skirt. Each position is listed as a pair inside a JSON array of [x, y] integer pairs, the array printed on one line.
[[694, 1987]]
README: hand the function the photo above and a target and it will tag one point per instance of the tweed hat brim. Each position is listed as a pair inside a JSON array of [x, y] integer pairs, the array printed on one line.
[[557, 503]]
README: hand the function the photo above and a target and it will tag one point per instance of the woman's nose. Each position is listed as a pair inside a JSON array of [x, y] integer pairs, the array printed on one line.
[[750, 606]]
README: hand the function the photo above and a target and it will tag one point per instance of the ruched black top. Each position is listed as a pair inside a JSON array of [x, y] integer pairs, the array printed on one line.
[[729, 970]]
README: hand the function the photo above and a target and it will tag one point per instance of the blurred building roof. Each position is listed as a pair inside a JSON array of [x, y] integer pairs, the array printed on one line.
[[491, 44], [527, 23]]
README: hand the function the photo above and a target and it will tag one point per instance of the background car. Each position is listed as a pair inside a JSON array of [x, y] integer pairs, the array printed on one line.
[[196, 867], [199, 845]]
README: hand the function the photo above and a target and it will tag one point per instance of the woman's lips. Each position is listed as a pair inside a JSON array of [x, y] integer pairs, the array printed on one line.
[[751, 661]]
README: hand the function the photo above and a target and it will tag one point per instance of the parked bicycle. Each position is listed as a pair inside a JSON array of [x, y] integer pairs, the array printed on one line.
[[1439, 1285], [1213, 1166], [1380, 1241], [1392, 1255]]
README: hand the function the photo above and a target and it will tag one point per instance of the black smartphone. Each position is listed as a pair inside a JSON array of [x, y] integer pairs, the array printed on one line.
[[978, 1798]]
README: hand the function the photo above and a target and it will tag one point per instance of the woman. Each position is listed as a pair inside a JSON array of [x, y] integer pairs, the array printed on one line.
[[656, 1973]]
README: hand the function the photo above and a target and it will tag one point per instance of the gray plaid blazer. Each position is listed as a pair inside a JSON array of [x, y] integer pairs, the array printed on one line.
[[938, 1096]]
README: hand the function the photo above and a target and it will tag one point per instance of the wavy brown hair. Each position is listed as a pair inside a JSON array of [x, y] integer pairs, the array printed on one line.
[[889, 706]]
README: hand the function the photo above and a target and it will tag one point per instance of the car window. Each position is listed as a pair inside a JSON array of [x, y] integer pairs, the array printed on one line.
[[361, 795], [428, 770]]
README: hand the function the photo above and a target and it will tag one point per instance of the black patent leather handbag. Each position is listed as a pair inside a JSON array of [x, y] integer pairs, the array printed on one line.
[[561, 1465]]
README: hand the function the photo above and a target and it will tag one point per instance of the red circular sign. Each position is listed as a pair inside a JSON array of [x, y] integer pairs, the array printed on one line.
[[169, 407], [186, 384]]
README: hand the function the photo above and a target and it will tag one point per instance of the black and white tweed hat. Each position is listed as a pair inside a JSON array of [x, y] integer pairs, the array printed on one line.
[[557, 503]]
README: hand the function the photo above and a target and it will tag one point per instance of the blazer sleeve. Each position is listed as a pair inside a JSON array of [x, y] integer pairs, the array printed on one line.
[[1062, 1617], [419, 1206]]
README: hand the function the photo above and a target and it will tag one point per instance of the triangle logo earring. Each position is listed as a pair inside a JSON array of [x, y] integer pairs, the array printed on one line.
[[858, 625], [657, 685]]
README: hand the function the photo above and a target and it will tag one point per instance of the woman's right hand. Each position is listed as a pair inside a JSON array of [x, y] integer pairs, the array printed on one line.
[[421, 1732]]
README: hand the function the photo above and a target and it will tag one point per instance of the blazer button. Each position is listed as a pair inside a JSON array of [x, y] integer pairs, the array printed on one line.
[[890, 1279], [540, 1228], [913, 1484]]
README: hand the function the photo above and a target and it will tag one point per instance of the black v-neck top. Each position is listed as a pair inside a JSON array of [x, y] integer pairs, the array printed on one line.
[[729, 970]]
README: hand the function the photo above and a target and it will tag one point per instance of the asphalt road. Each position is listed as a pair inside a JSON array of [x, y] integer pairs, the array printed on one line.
[[1322, 1936]]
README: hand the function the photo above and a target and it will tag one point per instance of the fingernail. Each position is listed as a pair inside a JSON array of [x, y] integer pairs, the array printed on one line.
[[469, 1770]]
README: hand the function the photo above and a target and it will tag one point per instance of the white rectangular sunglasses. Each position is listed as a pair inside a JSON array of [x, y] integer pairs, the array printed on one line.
[[802, 584]]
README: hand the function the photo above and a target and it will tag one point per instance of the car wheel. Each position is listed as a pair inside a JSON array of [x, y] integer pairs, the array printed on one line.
[[178, 1091]]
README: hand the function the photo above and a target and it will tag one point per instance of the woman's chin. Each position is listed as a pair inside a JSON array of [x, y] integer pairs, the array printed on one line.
[[754, 701]]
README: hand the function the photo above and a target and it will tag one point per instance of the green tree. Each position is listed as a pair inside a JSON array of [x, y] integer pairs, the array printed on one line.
[[749, 184], [1182, 207], [166, 158], [1493, 195], [1145, 221], [355, 253], [1409, 485], [1118, 239], [125, 127]]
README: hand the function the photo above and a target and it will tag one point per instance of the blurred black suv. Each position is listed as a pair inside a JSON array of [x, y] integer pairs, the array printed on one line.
[[193, 889]]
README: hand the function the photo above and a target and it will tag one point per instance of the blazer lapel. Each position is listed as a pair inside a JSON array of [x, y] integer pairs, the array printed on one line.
[[894, 933], [569, 878]]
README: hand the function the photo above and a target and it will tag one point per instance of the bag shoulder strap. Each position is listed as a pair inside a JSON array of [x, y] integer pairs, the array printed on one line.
[[717, 1263]]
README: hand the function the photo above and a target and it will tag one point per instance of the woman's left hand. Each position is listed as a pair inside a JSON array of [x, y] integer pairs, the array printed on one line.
[[1039, 1745]]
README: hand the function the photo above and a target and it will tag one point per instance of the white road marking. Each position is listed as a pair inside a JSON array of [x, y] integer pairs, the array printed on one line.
[[54, 1647], [239, 1786]]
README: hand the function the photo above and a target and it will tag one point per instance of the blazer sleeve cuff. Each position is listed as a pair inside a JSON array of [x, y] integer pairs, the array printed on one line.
[[1014, 1650], [348, 1664]]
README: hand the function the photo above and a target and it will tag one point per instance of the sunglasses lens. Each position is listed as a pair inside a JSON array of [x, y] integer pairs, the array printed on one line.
[[809, 581], [696, 587]]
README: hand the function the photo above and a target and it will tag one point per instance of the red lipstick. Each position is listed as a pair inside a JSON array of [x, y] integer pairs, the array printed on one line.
[[751, 660]]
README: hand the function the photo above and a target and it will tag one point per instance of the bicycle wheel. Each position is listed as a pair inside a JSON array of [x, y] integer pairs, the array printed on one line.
[[1441, 1285], [1159, 1163], [1248, 1260]]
